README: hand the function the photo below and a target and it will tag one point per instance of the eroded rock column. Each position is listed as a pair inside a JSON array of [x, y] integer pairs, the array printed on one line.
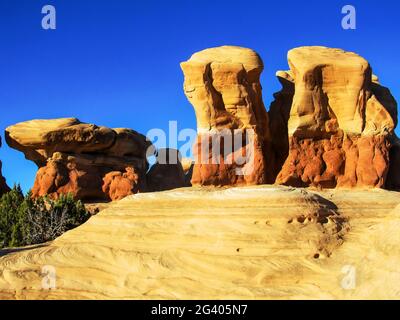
[[223, 85], [341, 122]]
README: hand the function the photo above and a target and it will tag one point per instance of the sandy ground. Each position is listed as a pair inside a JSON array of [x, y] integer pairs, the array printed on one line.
[[263, 242]]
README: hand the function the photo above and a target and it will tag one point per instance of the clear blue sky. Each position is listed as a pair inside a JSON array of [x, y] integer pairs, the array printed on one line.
[[116, 62]]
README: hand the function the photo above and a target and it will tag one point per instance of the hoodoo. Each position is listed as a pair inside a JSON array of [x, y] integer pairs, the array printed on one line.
[[340, 128], [223, 85], [91, 162]]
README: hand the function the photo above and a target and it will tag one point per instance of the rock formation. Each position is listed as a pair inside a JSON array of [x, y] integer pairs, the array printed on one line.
[[89, 161], [331, 125], [257, 242], [167, 173], [188, 165], [341, 122], [3, 185], [223, 85]]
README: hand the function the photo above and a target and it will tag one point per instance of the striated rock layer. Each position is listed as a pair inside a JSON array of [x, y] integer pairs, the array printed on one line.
[[223, 85], [3, 185], [260, 242], [341, 122], [89, 161]]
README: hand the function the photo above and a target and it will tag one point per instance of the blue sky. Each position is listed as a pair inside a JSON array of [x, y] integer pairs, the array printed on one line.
[[116, 62]]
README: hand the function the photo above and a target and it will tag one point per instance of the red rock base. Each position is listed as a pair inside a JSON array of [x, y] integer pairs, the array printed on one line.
[[338, 161], [243, 165], [86, 182]]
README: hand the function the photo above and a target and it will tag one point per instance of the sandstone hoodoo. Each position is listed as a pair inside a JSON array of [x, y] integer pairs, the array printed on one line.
[[341, 123], [89, 161], [223, 85], [332, 125], [167, 173], [3, 185]]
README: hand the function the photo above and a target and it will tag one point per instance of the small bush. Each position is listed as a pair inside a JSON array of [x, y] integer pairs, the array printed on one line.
[[26, 221]]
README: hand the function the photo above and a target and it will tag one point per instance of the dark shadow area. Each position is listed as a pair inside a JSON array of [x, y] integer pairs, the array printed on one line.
[[4, 252], [386, 99], [279, 112]]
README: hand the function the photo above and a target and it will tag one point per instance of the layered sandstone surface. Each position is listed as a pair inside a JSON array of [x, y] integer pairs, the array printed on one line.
[[223, 85], [3, 185], [260, 242], [91, 162], [340, 128]]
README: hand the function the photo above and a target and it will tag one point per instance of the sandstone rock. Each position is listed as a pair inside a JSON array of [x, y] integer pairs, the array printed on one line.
[[341, 122], [188, 166], [129, 143], [39, 139], [119, 184], [167, 173], [91, 162], [258, 242], [3, 185], [223, 85]]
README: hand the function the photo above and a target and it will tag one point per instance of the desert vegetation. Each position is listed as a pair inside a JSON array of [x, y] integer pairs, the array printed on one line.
[[26, 221]]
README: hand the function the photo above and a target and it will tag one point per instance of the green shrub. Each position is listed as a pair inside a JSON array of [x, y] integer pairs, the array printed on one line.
[[26, 221]]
